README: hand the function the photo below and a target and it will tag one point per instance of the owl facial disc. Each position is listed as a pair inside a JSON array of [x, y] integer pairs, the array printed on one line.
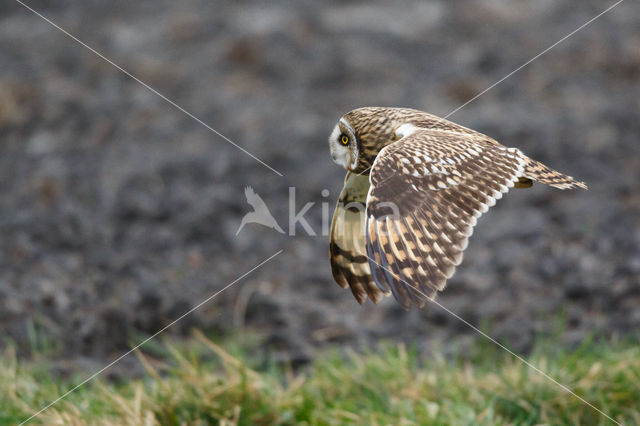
[[344, 154]]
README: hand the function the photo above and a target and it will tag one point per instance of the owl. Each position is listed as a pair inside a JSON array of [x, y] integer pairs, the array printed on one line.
[[415, 187]]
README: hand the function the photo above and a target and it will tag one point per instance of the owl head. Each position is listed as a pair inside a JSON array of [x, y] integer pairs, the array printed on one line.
[[360, 134]]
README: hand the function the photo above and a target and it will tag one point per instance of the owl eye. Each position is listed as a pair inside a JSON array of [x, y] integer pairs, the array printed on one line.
[[344, 139]]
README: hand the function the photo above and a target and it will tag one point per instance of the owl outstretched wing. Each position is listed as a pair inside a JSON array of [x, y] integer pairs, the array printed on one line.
[[349, 263], [427, 191]]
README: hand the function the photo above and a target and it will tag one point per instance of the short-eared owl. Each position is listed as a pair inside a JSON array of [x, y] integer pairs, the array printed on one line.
[[415, 186]]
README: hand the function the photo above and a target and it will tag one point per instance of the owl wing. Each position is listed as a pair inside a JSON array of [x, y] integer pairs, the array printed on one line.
[[439, 183], [347, 252]]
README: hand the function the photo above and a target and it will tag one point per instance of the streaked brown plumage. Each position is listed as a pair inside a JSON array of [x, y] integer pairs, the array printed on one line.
[[415, 187]]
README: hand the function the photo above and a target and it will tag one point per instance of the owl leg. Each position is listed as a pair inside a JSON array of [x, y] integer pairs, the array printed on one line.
[[523, 182]]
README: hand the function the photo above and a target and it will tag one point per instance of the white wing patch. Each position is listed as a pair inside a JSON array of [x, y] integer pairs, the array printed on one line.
[[406, 130]]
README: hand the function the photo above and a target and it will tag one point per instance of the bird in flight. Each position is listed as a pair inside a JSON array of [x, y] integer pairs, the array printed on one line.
[[415, 187]]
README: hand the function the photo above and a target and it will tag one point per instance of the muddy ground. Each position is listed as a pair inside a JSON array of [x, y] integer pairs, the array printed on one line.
[[118, 212]]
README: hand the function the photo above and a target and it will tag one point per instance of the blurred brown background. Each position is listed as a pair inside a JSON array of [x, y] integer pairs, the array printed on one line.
[[118, 212]]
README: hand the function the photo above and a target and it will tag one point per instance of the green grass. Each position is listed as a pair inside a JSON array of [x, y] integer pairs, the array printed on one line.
[[202, 383]]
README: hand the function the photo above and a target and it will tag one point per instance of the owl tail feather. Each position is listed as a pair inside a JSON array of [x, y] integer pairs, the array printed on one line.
[[538, 172]]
